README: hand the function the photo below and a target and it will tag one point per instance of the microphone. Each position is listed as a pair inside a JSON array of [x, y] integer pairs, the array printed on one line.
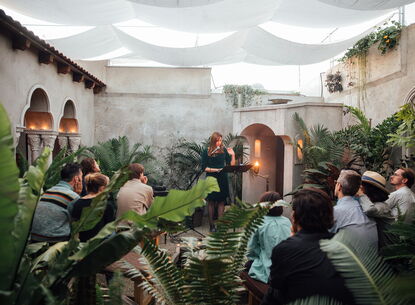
[[217, 147]]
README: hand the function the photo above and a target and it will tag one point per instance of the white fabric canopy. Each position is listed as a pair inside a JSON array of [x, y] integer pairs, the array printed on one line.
[[176, 3], [192, 16], [254, 45], [368, 4]]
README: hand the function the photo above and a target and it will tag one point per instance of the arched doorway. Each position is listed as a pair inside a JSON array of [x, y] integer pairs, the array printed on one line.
[[274, 155]]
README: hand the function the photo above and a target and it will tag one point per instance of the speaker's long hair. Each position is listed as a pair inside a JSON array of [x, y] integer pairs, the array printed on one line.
[[212, 143]]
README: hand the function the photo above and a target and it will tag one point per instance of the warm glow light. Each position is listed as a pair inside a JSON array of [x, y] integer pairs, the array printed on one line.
[[60, 130], [299, 149], [44, 127], [257, 149], [31, 127], [73, 130], [256, 167]]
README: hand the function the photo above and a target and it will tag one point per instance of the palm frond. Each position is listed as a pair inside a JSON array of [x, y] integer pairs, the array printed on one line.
[[368, 277], [316, 300]]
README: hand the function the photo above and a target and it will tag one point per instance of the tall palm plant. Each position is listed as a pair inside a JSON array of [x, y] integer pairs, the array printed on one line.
[[318, 144], [117, 153]]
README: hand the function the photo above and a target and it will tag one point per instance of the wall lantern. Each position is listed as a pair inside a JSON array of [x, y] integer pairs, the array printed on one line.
[[257, 148]]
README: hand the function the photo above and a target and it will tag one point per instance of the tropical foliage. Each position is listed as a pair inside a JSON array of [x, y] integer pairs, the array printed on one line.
[[117, 153], [210, 273], [404, 135], [39, 274], [368, 146], [368, 277], [318, 144]]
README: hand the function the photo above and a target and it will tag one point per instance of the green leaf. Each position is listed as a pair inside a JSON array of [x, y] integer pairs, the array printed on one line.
[[108, 251], [9, 189], [179, 204], [368, 277], [316, 300]]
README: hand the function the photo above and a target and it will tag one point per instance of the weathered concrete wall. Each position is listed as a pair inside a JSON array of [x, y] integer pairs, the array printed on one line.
[[388, 79], [157, 106], [21, 74]]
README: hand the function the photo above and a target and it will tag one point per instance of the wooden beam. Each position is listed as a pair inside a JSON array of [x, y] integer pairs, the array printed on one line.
[[97, 89], [45, 58], [20, 42], [89, 84], [63, 68], [77, 77]]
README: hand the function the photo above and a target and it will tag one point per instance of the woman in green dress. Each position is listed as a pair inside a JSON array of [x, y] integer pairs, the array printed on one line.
[[214, 158]]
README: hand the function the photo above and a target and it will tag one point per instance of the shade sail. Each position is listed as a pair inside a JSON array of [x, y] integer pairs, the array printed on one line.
[[203, 16], [254, 45]]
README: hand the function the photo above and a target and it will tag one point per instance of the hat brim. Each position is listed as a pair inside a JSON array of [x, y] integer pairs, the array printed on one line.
[[376, 185]]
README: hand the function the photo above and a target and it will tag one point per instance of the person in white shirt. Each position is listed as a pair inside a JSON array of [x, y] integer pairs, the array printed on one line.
[[402, 200]]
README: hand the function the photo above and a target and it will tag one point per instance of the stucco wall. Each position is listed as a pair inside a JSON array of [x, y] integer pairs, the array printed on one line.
[[389, 78], [157, 106], [21, 74]]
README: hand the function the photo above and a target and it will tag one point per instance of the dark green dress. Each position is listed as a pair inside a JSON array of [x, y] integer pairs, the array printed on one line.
[[217, 161]]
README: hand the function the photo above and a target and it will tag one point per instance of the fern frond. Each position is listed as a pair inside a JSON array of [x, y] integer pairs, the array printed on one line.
[[316, 300], [368, 277]]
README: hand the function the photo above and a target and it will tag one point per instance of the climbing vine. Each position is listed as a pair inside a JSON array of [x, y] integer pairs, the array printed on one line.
[[241, 95], [388, 39]]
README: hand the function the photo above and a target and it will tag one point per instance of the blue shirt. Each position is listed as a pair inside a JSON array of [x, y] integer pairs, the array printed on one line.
[[348, 214], [274, 230]]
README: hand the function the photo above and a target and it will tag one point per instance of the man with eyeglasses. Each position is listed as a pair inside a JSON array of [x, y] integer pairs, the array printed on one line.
[[402, 200]]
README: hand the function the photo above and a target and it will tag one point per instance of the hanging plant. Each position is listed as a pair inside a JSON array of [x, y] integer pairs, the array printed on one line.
[[388, 39], [241, 95], [334, 82]]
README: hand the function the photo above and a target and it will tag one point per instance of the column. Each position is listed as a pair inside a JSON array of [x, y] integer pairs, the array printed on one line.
[[34, 146], [63, 141], [74, 142]]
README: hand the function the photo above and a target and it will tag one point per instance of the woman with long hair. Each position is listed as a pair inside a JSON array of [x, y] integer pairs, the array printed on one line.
[[88, 166], [214, 158], [95, 184]]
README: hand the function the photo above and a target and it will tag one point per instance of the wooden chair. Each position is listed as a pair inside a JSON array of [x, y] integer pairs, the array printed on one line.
[[256, 289]]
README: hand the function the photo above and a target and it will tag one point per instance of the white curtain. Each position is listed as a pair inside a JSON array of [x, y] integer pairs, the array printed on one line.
[[192, 16], [254, 45], [368, 4], [176, 3]]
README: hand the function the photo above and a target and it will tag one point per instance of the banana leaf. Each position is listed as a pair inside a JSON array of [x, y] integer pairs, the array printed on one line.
[[9, 190], [179, 204]]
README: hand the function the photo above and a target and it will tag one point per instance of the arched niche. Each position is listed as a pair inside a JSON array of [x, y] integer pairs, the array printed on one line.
[[37, 116], [68, 122], [274, 154]]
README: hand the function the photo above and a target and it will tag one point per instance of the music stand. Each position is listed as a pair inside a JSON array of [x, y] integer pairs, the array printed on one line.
[[237, 168]]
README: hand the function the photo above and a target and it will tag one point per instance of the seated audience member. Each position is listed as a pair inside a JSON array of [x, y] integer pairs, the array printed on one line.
[[373, 195], [95, 184], [51, 221], [135, 194], [275, 229], [299, 267], [402, 200], [88, 166], [348, 213]]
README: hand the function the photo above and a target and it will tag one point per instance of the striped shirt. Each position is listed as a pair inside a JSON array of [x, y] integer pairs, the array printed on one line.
[[51, 221]]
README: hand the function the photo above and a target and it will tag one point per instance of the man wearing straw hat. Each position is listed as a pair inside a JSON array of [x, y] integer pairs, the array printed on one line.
[[402, 201]]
